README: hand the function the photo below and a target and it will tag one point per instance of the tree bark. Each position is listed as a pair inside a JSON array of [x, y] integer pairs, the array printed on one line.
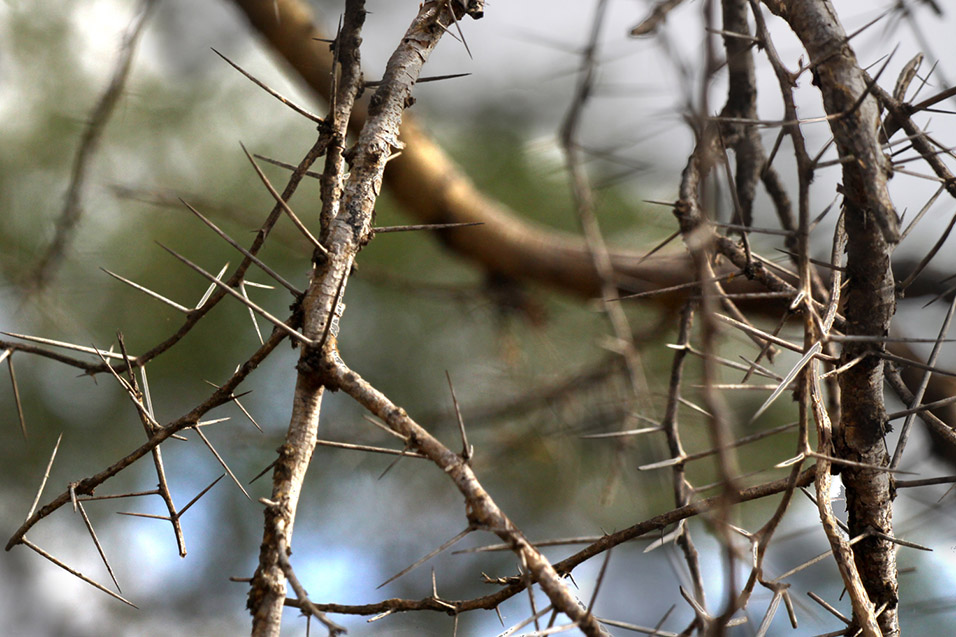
[[872, 230]]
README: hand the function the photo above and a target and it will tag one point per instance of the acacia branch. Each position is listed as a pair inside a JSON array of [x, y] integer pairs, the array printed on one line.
[[87, 486], [481, 510], [514, 585], [320, 306], [349, 228], [433, 189], [872, 231]]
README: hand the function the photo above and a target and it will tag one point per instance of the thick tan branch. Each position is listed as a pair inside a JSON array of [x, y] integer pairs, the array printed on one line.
[[433, 188]]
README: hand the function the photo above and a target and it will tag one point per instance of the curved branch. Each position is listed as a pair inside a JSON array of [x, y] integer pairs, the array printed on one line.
[[481, 509], [433, 189], [430, 186], [566, 566]]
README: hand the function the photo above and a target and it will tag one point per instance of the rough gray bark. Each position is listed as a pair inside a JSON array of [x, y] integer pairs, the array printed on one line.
[[320, 366]]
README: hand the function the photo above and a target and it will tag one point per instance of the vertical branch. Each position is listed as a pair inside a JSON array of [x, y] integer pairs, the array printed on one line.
[[346, 87], [700, 244], [872, 230], [268, 589], [680, 484], [322, 307], [870, 305], [741, 104]]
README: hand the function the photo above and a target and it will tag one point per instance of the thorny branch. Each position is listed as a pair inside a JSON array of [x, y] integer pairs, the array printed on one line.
[[433, 189], [321, 306], [349, 226], [872, 230], [845, 324], [221, 396], [481, 510]]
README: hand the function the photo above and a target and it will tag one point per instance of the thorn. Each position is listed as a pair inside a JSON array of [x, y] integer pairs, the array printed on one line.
[[426, 226], [65, 345], [421, 80], [263, 86], [99, 547], [432, 554], [622, 434], [221, 461], [264, 471], [287, 166], [285, 206], [201, 494], [244, 252], [384, 427], [815, 349], [467, 450], [252, 315], [458, 28], [659, 246], [147, 398], [8, 354], [356, 447], [281, 325], [209, 290], [46, 476], [148, 292], [235, 398], [76, 573]]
